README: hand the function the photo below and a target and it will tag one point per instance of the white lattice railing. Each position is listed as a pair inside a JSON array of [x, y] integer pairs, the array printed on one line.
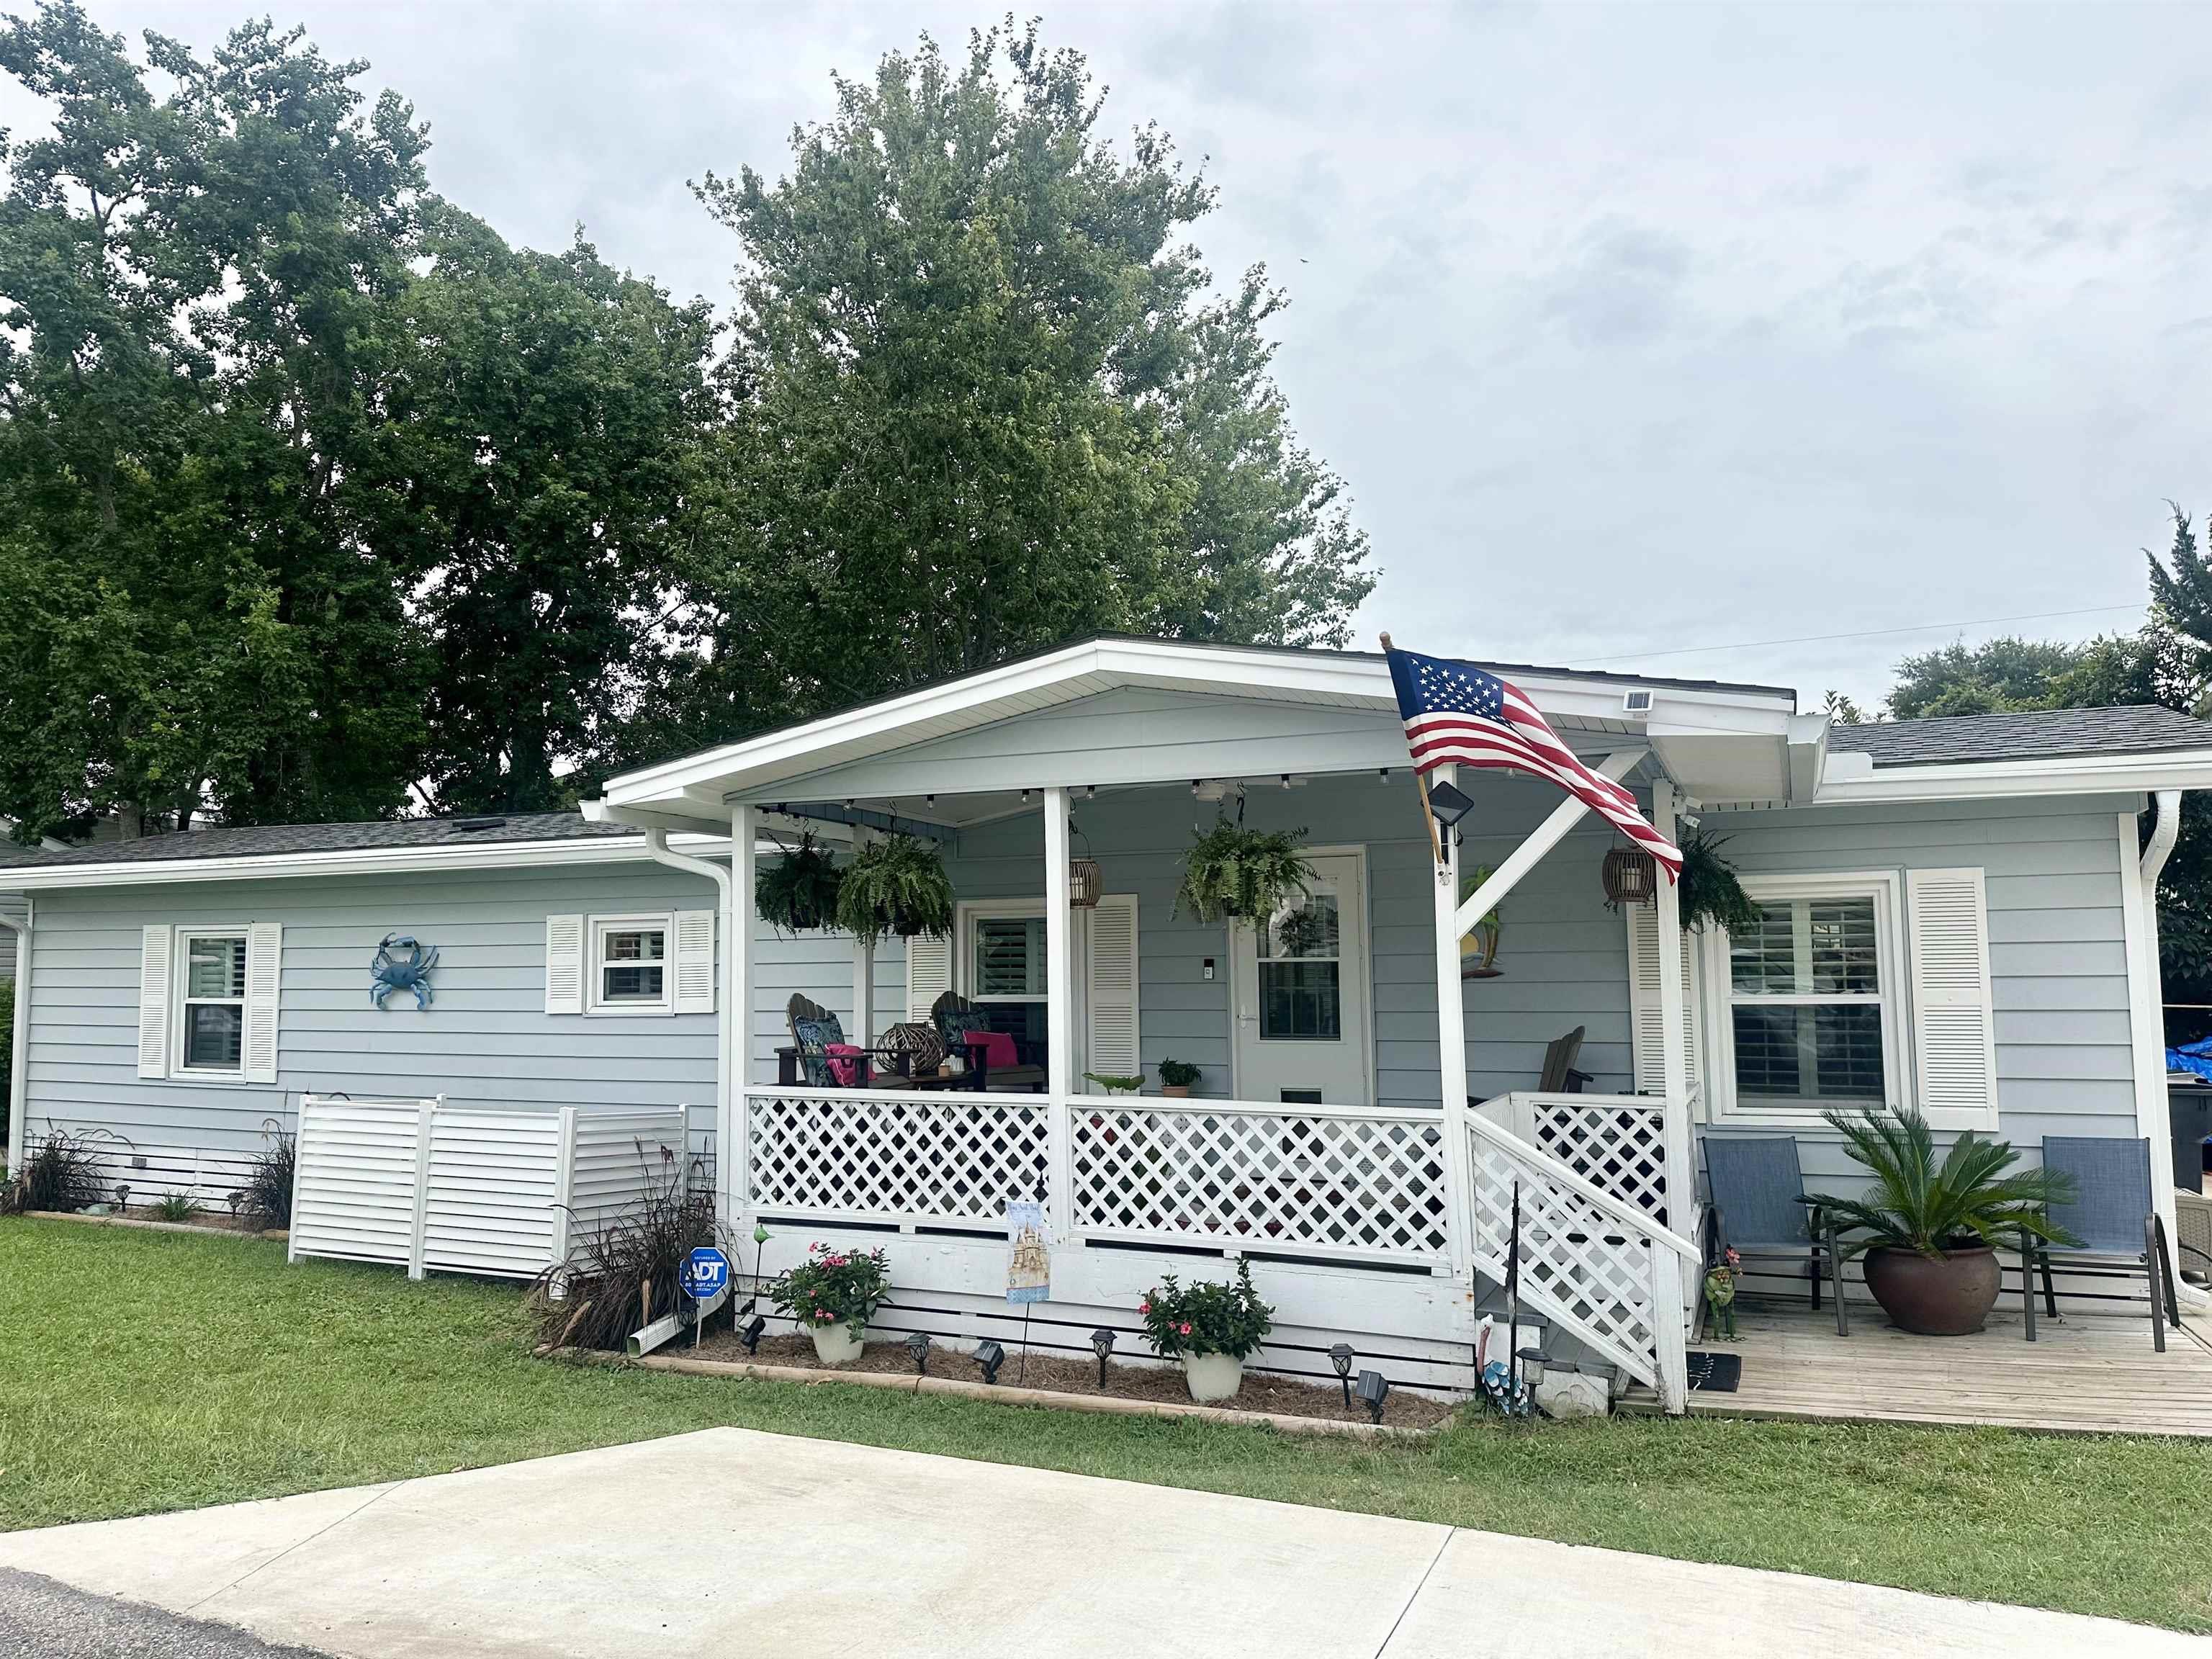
[[1317, 1180], [1595, 1264], [921, 1159], [1629, 1146]]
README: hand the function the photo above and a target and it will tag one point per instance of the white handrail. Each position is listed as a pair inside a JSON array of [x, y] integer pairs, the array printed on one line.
[[1627, 1216]]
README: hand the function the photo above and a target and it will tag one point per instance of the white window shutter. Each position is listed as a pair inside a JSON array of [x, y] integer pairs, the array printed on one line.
[[564, 964], [1113, 1034], [264, 975], [928, 973], [694, 962], [1953, 1019], [157, 951], [1650, 1065]]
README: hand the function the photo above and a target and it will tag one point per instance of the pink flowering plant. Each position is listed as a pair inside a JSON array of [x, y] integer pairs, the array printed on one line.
[[1204, 1318], [834, 1287]]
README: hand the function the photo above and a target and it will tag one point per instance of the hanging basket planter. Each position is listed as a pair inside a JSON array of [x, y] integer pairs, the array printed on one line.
[[1242, 875], [796, 893], [1631, 876], [896, 885]]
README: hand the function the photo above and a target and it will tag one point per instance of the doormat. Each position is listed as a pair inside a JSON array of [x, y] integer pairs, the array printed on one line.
[[1714, 1373]]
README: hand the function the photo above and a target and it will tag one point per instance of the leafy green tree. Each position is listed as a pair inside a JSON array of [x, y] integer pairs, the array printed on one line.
[[980, 403], [1983, 679]]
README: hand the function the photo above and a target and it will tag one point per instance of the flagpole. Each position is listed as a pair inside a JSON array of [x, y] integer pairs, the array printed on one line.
[[1420, 783]]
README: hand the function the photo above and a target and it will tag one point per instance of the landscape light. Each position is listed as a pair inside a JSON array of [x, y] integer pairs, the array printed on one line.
[[749, 1333], [990, 1356], [1102, 1344], [1373, 1389], [1340, 1356], [917, 1345]]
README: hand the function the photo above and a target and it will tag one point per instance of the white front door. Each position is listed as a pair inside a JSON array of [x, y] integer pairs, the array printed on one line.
[[1302, 990]]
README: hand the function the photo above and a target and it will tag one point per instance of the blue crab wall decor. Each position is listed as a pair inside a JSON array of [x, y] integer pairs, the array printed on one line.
[[403, 963]]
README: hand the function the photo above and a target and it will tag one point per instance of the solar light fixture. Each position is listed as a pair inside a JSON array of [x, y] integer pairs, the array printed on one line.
[[1374, 1388], [917, 1346], [750, 1332], [1340, 1356], [990, 1355], [1450, 803], [1102, 1344]]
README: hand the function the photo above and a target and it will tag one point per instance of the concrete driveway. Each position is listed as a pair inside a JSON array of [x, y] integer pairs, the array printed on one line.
[[729, 1541]]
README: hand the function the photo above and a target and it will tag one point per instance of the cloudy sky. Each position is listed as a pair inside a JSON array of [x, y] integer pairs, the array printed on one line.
[[1644, 334]]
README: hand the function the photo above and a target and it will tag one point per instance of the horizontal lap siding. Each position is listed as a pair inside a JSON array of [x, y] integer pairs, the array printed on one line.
[[2058, 945], [485, 1040]]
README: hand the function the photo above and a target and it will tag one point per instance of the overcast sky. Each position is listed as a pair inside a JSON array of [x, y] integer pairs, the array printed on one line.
[[1634, 329]]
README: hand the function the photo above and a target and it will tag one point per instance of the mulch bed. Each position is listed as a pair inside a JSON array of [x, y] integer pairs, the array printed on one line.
[[1063, 1374], [216, 1220]]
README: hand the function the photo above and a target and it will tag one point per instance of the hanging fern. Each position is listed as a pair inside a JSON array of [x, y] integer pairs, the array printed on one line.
[[896, 885], [1710, 895], [796, 893], [1232, 871]]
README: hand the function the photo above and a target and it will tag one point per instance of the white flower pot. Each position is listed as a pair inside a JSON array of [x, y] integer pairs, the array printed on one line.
[[1211, 1376], [835, 1345]]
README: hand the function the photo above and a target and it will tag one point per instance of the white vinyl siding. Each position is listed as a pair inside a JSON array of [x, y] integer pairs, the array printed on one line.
[[1953, 1015]]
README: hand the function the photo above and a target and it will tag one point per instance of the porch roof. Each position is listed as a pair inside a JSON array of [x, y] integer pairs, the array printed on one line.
[[1717, 740]]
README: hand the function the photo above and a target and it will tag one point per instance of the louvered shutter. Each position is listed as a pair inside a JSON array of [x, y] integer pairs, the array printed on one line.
[[157, 951], [264, 975], [564, 964], [928, 973], [1113, 1026], [694, 962], [1954, 1022], [1651, 1065]]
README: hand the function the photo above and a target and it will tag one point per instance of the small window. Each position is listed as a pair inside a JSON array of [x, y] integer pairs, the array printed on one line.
[[1010, 963], [1811, 1000], [212, 1002], [629, 964]]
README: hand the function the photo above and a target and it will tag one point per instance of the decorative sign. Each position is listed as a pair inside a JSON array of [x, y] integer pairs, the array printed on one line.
[[402, 964], [1029, 1260], [706, 1275]]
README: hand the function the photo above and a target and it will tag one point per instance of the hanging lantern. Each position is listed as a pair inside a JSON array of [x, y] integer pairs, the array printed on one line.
[[1085, 882], [1631, 878]]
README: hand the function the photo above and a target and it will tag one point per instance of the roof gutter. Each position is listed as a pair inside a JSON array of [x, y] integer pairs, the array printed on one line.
[[2162, 836]]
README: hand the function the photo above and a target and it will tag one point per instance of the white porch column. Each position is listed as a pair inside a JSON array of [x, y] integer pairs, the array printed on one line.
[[18, 1040], [1060, 1006], [864, 975], [1451, 1050], [1673, 1049], [732, 1174]]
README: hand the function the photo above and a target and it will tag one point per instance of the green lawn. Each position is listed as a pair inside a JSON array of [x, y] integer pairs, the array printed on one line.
[[142, 1371]]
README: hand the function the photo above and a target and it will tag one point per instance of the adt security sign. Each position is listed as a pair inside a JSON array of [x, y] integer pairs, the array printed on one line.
[[706, 1272]]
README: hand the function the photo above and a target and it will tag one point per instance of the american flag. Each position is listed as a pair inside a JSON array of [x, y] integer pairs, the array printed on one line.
[[1454, 711]]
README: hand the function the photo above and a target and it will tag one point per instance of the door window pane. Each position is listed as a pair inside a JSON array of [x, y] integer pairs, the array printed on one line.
[[1305, 927], [1010, 957], [1791, 1053], [1301, 1001]]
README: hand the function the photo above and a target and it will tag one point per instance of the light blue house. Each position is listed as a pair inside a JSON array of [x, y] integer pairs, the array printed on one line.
[[1958, 915]]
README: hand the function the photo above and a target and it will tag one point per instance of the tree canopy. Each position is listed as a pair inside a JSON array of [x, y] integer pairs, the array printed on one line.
[[318, 499]]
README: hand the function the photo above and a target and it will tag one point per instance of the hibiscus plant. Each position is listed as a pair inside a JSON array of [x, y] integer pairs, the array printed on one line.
[[834, 1287], [1204, 1318]]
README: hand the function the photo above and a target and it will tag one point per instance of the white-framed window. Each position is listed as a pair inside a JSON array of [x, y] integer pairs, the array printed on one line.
[[210, 1001], [1810, 1009], [1005, 953], [630, 965]]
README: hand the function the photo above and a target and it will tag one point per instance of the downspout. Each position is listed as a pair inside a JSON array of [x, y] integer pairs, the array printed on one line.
[[2164, 832], [725, 1022], [19, 1082]]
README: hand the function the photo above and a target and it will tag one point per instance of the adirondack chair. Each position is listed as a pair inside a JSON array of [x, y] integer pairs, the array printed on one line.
[[2112, 1214], [1559, 1076], [1758, 1210], [819, 1056], [996, 1058]]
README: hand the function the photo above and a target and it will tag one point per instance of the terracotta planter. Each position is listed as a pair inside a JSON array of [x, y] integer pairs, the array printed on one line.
[[1176, 1090], [1946, 1296], [1211, 1376], [835, 1345]]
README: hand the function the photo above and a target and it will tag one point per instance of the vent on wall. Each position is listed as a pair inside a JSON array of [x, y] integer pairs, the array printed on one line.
[[1635, 702]]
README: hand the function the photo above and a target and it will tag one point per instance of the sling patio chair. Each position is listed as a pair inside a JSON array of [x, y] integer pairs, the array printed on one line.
[[1758, 1210], [2111, 1214]]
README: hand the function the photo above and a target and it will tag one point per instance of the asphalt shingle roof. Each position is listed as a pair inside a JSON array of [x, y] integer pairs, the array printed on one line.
[[2044, 734], [261, 840]]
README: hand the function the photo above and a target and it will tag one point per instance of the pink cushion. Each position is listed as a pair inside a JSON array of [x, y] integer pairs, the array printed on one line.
[[844, 1062], [998, 1048]]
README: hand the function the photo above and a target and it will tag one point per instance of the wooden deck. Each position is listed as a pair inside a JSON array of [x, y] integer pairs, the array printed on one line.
[[2085, 1374]]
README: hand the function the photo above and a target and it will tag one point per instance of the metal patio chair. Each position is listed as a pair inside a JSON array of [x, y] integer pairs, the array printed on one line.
[[2112, 1214], [1758, 1210]]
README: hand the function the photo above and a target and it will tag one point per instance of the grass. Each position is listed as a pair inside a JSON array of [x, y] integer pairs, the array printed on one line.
[[142, 1371]]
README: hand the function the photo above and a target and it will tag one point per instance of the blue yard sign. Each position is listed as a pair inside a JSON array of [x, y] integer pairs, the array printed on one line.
[[707, 1273]]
